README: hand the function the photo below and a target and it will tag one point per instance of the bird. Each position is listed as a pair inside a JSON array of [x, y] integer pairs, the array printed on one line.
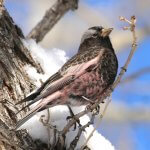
[[82, 79]]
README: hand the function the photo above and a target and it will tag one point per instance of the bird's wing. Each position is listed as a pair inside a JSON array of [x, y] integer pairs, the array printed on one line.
[[32, 96]]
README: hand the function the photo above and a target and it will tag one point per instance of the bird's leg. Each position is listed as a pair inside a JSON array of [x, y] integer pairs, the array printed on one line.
[[96, 110], [72, 116]]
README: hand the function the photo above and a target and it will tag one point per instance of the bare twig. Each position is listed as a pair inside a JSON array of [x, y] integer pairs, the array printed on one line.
[[73, 144], [133, 48], [52, 16], [46, 123], [132, 23], [98, 124], [48, 128], [80, 114]]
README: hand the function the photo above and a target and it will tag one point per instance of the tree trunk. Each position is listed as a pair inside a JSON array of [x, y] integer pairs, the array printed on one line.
[[14, 83]]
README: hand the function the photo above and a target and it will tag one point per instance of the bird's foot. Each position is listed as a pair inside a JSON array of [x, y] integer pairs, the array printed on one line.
[[72, 116], [94, 111]]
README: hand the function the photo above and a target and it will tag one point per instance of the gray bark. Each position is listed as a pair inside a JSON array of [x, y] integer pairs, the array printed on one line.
[[14, 83]]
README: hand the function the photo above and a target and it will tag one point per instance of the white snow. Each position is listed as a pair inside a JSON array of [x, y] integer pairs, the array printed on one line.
[[51, 61]]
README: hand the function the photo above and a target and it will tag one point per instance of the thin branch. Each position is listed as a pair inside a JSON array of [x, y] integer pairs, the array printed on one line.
[[51, 17], [46, 123], [48, 128], [74, 143], [80, 114], [133, 48], [132, 23], [98, 124]]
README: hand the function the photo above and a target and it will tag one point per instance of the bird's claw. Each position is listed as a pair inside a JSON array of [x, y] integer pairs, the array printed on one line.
[[76, 119], [88, 107], [73, 117], [94, 111]]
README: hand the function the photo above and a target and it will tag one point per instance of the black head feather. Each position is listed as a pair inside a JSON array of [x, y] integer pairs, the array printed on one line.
[[94, 37]]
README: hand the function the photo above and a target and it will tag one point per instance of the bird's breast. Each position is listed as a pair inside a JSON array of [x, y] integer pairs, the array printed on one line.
[[108, 67]]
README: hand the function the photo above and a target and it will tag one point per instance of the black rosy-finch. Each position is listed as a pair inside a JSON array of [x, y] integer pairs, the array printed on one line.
[[82, 79]]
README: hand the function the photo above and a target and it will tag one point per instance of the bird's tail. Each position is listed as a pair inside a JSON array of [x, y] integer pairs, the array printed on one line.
[[50, 101]]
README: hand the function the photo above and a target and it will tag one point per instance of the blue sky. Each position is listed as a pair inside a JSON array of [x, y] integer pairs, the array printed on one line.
[[140, 60]]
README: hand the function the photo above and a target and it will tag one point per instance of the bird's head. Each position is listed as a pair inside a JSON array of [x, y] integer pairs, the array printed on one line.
[[97, 35]]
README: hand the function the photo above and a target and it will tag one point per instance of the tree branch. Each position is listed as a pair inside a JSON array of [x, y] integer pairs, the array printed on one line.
[[51, 17], [74, 143]]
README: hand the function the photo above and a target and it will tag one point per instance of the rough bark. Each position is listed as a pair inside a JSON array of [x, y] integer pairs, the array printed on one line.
[[14, 83], [51, 17]]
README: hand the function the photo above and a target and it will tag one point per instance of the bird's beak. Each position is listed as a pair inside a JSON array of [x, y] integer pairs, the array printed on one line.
[[106, 32]]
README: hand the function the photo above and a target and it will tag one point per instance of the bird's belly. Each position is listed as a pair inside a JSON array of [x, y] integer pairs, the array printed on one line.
[[89, 85], [76, 101]]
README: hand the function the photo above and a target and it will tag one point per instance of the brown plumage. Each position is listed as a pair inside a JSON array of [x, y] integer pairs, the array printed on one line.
[[87, 74]]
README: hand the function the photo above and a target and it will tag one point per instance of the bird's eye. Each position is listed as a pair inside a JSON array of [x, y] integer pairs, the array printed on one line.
[[95, 34]]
